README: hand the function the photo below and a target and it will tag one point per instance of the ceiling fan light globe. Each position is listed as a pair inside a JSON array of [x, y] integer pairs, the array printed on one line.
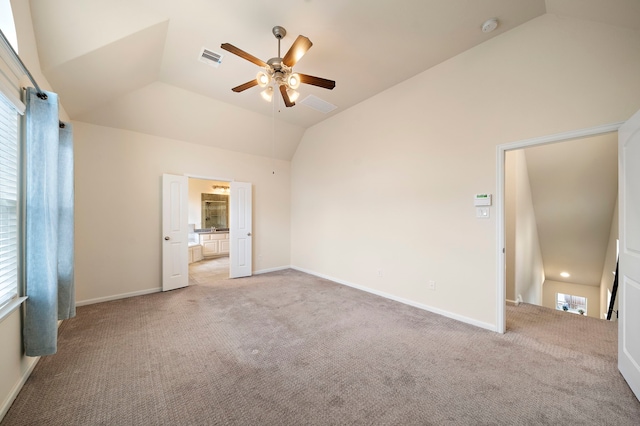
[[263, 79], [293, 95], [267, 94], [293, 81]]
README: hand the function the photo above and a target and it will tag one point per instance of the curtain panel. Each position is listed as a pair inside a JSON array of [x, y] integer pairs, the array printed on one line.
[[48, 189], [66, 283]]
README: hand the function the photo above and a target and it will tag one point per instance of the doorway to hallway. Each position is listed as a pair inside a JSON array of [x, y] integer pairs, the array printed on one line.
[[561, 222], [501, 210]]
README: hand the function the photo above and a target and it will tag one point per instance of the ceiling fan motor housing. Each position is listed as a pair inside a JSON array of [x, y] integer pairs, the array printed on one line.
[[275, 64], [277, 70]]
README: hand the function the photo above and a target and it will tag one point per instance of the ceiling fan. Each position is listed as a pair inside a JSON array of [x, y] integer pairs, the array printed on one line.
[[279, 70]]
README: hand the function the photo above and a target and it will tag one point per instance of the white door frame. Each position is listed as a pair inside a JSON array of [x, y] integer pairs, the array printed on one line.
[[500, 220]]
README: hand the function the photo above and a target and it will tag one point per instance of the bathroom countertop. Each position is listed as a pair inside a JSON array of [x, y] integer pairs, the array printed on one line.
[[209, 231]]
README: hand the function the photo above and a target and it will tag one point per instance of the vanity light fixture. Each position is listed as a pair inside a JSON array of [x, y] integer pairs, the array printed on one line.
[[217, 189], [565, 274]]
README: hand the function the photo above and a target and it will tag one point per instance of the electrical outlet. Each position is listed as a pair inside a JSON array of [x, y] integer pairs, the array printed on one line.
[[431, 285], [380, 273]]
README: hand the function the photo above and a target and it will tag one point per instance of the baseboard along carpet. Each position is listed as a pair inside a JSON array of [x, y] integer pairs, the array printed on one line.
[[288, 348]]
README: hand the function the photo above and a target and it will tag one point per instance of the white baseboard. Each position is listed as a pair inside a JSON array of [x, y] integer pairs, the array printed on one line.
[[444, 313], [157, 290], [118, 296], [266, 271], [512, 302], [18, 387]]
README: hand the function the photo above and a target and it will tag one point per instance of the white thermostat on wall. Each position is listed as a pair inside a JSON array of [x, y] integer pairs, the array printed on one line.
[[482, 200]]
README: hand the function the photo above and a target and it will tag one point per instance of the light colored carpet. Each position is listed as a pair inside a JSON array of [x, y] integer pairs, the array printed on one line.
[[287, 348]]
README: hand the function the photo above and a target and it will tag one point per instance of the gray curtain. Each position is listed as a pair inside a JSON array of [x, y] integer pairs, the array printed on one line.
[[47, 247]]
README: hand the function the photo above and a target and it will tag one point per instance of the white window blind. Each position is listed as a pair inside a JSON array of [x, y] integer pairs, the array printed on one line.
[[8, 201]]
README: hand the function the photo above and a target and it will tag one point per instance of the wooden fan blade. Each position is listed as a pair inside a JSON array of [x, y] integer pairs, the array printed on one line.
[[317, 81], [244, 55], [285, 96], [297, 51], [245, 86]]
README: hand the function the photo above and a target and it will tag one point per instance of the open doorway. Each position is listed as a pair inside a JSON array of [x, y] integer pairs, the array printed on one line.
[[560, 202], [541, 262], [209, 242]]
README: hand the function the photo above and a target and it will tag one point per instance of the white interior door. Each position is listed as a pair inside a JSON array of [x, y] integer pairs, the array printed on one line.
[[629, 258], [240, 246], [175, 245]]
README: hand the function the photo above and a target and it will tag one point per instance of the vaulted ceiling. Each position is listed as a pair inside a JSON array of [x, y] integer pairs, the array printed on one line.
[[574, 188], [134, 64]]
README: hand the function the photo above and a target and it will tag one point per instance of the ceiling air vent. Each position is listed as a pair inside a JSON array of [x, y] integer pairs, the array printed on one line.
[[210, 57], [318, 104]]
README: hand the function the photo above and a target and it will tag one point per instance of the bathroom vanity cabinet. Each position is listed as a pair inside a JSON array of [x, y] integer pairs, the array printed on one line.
[[214, 244], [195, 253]]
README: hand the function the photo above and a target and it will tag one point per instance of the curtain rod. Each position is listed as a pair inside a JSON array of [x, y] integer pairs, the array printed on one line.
[[40, 93]]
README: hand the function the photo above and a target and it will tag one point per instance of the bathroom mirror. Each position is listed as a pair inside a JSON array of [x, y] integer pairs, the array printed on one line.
[[215, 211]]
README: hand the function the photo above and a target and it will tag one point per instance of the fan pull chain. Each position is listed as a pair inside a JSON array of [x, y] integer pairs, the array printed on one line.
[[273, 148]]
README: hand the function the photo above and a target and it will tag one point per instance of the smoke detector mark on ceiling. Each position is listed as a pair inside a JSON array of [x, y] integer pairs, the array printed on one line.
[[318, 104], [490, 25], [210, 57]]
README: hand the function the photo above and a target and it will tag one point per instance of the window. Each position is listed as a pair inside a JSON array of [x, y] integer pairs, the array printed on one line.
[[573, 304], [8, 201], [7, 25]]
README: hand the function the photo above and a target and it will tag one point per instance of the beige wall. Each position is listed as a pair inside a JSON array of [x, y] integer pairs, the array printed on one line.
[[14, 366], [551, 288], [118, 206], [606, 283], [510, 178], [529, 268], [389, 184], [524, 266]]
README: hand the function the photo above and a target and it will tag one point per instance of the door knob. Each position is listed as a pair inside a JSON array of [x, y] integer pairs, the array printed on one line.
[[248, 234], [167, 238]]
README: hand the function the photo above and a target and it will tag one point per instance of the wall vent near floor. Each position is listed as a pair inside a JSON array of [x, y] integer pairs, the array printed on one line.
[[210, 57], [318, 104]]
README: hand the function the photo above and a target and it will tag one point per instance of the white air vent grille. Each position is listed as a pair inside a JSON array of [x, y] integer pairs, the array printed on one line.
[[318, 104], [210, 57]]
